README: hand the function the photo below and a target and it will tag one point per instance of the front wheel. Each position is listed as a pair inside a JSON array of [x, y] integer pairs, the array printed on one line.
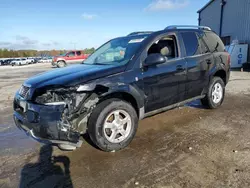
[[112, 124], [215, 95], [61, 64]]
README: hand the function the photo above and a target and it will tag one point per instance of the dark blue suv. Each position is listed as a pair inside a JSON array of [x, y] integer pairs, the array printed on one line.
[[126, 79]]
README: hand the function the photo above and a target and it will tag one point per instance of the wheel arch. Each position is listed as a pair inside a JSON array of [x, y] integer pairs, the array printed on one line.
[[222, 74], [123, 95], [61, 60]]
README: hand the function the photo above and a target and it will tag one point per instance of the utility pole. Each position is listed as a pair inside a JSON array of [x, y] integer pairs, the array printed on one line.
[[222, 4], [74, 44]]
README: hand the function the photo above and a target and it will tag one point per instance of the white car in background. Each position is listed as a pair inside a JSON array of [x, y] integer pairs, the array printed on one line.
[[45, 60], [21, 61], [30, 60]]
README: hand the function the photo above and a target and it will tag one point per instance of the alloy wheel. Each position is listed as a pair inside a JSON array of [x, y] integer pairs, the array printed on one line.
[[117, 126]]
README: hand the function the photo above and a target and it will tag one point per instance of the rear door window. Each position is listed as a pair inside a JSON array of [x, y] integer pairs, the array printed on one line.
[[213, 42], [203, 47], [78, 53], [191, 43]]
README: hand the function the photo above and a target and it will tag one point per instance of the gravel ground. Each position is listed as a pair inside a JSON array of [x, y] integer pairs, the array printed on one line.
[[185, 147]]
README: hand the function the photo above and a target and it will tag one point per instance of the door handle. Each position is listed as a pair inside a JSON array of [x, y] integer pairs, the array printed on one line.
[[208, 61], [179, 68]]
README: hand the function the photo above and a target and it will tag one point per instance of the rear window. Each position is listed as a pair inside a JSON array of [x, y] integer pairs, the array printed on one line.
[[213, 42], [191, 43]]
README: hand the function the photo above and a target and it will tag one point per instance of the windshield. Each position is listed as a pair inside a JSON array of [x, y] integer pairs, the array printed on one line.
[[117, 51], [64, 54]]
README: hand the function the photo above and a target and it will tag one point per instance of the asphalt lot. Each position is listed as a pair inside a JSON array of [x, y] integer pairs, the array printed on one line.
[[185, 147]]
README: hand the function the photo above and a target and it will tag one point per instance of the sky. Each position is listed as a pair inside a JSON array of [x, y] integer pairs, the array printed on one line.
[[80, 24]]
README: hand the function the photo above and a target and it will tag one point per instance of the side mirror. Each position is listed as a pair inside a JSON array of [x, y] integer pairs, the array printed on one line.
[[154, 59]]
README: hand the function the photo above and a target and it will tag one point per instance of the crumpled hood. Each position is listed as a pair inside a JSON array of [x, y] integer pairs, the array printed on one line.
[[72, 75]]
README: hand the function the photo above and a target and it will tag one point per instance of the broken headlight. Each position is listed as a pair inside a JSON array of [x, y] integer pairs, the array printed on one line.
[[24, 91], [53, 95], [86, 87]]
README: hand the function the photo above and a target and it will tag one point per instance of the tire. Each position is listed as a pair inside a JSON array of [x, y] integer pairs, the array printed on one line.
[[101, 135], [211, 100], [61, 64]]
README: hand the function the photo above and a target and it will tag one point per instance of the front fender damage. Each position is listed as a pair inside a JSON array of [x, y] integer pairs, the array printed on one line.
[[77, 108], [78, 119]]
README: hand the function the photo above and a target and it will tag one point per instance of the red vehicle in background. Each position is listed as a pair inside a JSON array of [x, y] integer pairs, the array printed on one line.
[[71, 57]]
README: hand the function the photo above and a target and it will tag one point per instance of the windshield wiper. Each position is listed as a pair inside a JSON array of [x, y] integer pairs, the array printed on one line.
[[100, 64], [93, 64]]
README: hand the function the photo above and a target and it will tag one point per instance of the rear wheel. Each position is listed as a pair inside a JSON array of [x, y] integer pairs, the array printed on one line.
[[215, 95], [61, 64], [112, 124]]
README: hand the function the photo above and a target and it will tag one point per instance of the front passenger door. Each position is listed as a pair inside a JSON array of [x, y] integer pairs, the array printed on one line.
[[71, 57], [164, 84]]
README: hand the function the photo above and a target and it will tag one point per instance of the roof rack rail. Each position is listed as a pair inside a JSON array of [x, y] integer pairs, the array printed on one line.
[[188, 26], [140, 33]]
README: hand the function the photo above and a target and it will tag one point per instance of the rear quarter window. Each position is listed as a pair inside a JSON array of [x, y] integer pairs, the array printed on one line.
[[213, 42]]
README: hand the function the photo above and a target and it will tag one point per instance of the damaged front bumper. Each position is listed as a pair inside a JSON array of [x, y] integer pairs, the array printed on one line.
[[44, 122]]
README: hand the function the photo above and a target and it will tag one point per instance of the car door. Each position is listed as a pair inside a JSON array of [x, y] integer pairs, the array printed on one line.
[[79, 57], [24, 61], [70, 57], [165, 83], [198, 60]]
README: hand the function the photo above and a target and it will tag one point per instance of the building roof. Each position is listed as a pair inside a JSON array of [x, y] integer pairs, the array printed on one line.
[[205, 6]]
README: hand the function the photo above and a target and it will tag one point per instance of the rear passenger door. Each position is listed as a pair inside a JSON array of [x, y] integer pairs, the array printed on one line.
[[198, 60], [79, 56]]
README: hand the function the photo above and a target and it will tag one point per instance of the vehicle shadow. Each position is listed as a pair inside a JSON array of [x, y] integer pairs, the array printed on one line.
[[89, 141], [49, 171], [195, 104]]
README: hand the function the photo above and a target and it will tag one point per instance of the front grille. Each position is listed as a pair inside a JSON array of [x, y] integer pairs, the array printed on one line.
[[24, 90]]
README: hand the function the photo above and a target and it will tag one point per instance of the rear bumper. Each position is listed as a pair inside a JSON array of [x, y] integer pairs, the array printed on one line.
[[44, 123]]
